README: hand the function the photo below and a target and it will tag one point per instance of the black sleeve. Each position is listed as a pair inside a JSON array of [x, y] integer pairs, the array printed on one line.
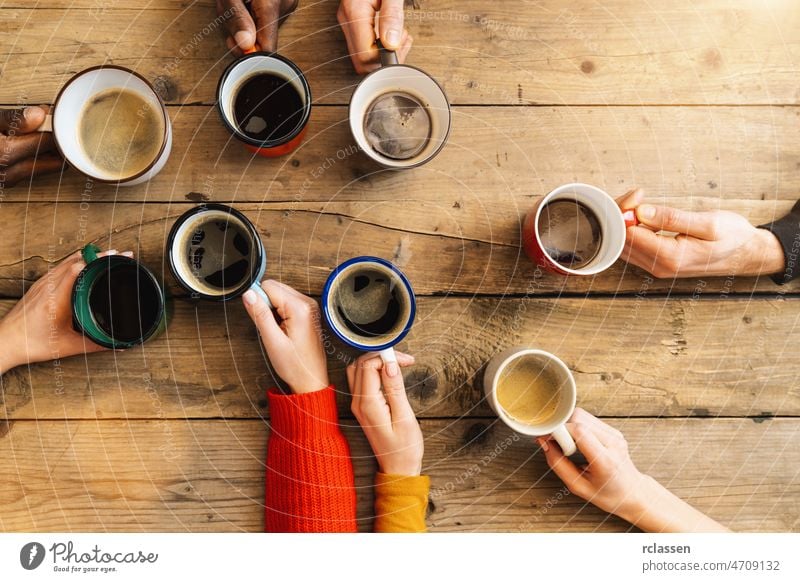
[[787, 230]]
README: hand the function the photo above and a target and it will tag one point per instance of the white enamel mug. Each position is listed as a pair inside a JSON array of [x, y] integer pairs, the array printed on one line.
[[69, 103], [556, 424], [390, 78]]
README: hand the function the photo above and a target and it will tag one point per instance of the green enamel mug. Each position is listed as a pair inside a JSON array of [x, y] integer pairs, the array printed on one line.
[[117, 302]]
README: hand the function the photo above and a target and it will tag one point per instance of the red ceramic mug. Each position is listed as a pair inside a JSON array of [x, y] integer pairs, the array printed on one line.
[[611, 221], [290, 129]]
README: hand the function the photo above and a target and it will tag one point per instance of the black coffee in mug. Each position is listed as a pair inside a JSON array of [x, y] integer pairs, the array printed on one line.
[[267, 107], [570, 233], [125, 302], [215, 252]]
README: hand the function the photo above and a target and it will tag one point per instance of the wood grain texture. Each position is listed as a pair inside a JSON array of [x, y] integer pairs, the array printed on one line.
[[617, 51], [209, 475], [498, 159], [440, 252], [630, 357]]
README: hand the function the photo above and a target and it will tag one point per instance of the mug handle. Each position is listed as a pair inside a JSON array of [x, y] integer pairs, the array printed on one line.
[[630, 218], [388, 57], [89, 253], [263, 294], [388, 355], [565, 440], [47, 124]]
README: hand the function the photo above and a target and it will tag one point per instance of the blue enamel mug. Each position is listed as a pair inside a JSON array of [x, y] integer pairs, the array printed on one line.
[[369, 304]]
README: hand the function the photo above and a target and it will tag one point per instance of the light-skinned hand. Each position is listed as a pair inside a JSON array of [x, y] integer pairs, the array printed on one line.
[[612, 482], [294, 345], [357, 19], [711, 243], [245, 30], [39, 327], [381, 406], [25, 152]]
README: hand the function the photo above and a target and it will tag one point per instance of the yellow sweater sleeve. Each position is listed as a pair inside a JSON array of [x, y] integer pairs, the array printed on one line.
[[400, 503]]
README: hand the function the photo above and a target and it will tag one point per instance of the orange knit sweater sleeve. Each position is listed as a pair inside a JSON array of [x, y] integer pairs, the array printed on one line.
[[400, 503], [309, 480]]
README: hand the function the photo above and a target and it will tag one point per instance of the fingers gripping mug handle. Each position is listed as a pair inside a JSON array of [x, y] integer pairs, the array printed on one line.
[[388, 57], [47, 124], [565, 440], [89, 253], [263, 294], [388, 355], [255, 48]]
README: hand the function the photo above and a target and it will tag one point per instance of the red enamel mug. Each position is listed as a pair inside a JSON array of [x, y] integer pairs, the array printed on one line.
[[286, 76], [608, 217]]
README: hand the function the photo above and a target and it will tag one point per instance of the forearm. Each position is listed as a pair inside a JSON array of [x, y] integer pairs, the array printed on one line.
[[309, 474], [660, 511]]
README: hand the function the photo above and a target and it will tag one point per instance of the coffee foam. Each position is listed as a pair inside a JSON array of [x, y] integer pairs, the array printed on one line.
[[120, 133]]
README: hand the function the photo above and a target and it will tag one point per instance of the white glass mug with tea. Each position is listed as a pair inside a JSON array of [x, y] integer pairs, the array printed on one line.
[[399, 115], [110, 124], [533, 392]]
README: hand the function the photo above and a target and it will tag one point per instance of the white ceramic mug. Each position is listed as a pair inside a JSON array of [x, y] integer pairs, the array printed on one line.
[[394, 77], [78, 91], [567, 390]]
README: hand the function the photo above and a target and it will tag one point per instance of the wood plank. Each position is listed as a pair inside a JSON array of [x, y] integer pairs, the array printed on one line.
[[443, 250], [497, 160], [620, 51], [209, 475], [631, 357]]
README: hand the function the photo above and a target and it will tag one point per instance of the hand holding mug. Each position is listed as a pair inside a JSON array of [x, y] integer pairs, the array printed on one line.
[[712, 243], [612, 482], [357, 19], [25, 152], [381, 406], [294, 345], [39, 327], [254, 22]]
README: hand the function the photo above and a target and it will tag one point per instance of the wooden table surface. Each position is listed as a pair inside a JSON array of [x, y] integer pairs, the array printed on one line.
[[698, 101]]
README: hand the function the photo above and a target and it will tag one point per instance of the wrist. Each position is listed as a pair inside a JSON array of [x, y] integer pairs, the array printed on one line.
[[8, 359], [309, 384], [768, 255], [401, 467], [637, 506]]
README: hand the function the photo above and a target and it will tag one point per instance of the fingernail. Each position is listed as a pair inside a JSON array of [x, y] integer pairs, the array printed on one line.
[[543, 444], [393, 38], [128, 254], [392, 369], [249, 297], [244, 39], [646, 212], [27, 112]]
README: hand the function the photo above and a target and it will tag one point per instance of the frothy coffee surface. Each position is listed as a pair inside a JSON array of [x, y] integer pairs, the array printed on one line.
[[219, 253], [570, 233], [369, 303], [528, 390], [397, 126], [120, 132]]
